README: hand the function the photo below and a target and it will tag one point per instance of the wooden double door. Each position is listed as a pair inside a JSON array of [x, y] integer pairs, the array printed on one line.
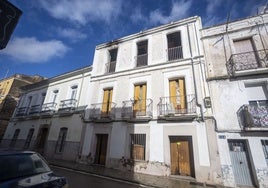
[[101, 148], [181, 154]]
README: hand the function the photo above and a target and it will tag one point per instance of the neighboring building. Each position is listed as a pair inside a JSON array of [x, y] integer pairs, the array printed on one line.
[[147, 113], [237, 72], [49, 117], [9, 96]]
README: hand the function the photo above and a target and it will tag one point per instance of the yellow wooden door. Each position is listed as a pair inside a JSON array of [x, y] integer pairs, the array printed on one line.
[[177, 95], [140, 100], [107, 102]]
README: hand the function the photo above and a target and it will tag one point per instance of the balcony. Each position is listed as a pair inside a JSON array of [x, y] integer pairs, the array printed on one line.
[[110, 67], [248, 63], [137, 110], [177, 108], [48, 109], [102, 112], [174, 53], [22, 112], [141, 60], [34, 111], [67, 107], [253, 118]]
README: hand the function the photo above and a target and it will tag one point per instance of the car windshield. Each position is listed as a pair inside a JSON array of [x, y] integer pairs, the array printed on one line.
[[20, 165]]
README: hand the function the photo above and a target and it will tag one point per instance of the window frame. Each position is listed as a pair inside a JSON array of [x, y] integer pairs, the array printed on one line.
[[140, 141], [61, 140]]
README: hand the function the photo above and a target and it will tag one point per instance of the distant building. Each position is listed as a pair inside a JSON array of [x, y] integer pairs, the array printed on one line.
[[237, 72], [49, 116], [9, 95]]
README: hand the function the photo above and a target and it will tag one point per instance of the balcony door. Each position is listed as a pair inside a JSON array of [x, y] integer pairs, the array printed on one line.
[[107, 102], [139, 100], [178, 95], [246, 54]]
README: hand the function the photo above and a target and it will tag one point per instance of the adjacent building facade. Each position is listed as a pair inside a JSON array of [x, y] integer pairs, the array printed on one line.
[[236, 56], [49, 117], [9, 96]]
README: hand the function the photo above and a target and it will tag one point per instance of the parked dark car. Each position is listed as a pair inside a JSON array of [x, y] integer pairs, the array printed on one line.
[[27, 169]]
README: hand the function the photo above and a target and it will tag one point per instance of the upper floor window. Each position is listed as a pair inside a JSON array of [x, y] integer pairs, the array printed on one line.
[[110, 66], [107, 101], [43, 96], [54, 95], [29, 101], [142, 53], [174, 46], [265, 149], [73, 92]]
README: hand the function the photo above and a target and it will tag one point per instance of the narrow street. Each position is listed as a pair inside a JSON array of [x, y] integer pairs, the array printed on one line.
[[85, 180]]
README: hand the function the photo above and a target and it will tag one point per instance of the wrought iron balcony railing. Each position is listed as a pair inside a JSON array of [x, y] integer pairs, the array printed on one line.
[[49, 107], [35, 109], [67, 104], [100, 111], [177, 105], [251, 116], [22, 111], [137, 109], [142, 60], [174, 53], [110, 67], [247, 61]]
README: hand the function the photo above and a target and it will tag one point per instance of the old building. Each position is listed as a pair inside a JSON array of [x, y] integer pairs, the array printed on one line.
[[147, 112], [9, 96], [49, 117], [237, 72]]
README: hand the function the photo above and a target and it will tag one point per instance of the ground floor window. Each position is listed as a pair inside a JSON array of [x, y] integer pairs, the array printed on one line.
[[29, 138], [61, 140], [137, 146], [15, 137], [265, 149]]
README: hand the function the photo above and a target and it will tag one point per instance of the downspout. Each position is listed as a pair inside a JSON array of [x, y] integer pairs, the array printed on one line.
[[195, 89]]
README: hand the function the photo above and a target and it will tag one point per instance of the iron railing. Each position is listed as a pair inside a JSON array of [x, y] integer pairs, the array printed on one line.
[[110, 67], [102, 111], [67, 104], [174, 53], [22, 111], [253, 116], [183, 104], [247, 61], [35, 109], [137, 108], [142, 60], [49, 107]]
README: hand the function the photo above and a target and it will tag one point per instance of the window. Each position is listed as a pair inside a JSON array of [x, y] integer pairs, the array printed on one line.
[[259, 103], [177, 94], [73, 92], [29, 101], [174, 46], [61, 140], [107, 101], [54, 95], [265, 149], [43, 96], [140, 99], [29, 138], [15, 137], [142, 54], [112, 62], [137, 146]]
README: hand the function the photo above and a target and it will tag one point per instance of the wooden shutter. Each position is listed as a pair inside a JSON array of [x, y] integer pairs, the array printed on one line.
[[177, 93], [182, 93], [140, 99]]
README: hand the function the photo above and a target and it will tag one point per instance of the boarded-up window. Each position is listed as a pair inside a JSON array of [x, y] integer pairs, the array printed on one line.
[[140, 99], [107, 101], [137, 148], [177, 94], [61, 140]]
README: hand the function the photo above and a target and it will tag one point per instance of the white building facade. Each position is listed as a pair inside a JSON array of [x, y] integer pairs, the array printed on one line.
[[147, 112], [49, 117], [237, 72]]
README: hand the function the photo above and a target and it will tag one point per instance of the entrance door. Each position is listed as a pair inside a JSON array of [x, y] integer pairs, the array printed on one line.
[[41, 140], [181, 153], [101, 149], [240, 162]]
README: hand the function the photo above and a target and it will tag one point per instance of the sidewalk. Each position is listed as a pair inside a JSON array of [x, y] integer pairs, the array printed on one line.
[[144, 179]]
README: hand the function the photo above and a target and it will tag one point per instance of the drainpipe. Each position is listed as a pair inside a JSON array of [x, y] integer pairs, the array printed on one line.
[[195, 89]]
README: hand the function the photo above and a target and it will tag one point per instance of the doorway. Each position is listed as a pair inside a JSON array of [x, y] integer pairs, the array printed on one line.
[[101, 149], [181, 155], [41, 140]]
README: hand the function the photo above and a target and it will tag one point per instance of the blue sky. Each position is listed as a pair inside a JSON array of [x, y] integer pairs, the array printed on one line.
[[58, 36]]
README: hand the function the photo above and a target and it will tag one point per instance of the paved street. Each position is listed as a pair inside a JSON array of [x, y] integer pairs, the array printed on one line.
[[85, 180]]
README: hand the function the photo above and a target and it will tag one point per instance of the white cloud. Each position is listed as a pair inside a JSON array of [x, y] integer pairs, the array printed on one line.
[[212, 6], [180, 9], [83, 11], [30, 50], [72, 34]]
